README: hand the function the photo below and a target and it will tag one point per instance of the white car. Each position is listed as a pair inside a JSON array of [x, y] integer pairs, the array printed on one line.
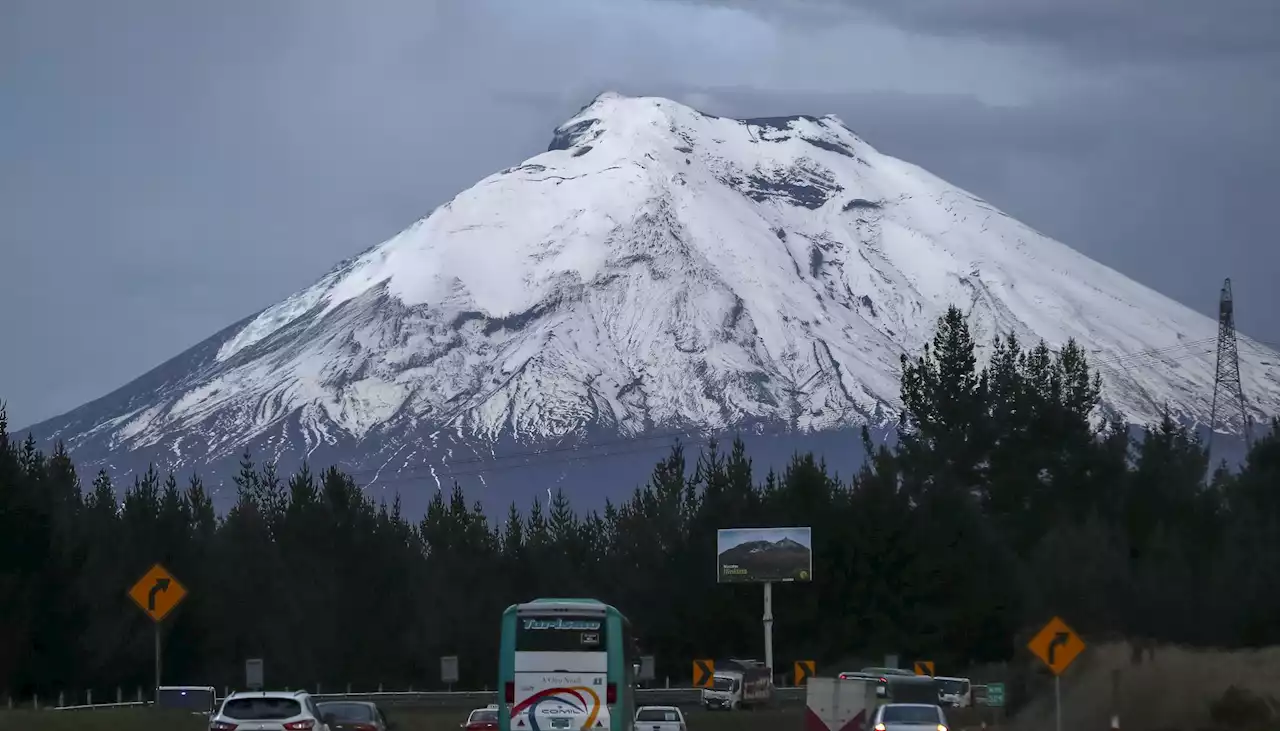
[[908, 717], [659, 718], [268, 710]]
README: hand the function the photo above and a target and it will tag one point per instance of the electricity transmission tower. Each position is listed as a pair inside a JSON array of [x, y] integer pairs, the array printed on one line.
[[1227, 390]]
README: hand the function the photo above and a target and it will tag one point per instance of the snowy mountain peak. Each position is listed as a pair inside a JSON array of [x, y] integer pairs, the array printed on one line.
[[656, 267], [629, 122]]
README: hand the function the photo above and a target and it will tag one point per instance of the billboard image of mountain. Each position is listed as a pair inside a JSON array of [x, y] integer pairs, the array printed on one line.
[[764, 554]]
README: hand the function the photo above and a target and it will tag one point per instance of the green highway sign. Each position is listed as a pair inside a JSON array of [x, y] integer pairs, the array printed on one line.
[[995, 695]]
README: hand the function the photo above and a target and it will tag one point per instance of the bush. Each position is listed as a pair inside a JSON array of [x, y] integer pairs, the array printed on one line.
[[1240, 709]]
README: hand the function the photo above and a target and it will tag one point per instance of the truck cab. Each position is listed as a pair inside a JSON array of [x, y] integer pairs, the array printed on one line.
[[954, 692], [725, 692], [739, 684]]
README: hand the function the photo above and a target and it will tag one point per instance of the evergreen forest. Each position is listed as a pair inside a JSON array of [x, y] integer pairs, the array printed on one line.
[[1006, 498]]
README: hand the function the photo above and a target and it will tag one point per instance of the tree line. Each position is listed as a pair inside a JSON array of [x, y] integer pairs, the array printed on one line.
[[1004, 500]]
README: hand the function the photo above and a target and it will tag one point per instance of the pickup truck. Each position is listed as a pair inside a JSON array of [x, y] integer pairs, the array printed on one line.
[[659, 718]]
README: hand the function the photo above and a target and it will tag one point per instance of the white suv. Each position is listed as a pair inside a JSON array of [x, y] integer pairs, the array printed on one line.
[[268, 710]]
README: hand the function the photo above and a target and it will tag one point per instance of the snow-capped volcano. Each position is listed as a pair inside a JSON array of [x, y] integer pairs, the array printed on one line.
[[656, 268]]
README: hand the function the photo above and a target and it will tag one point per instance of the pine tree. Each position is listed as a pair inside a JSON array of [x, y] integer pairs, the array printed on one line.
[[942, 431]]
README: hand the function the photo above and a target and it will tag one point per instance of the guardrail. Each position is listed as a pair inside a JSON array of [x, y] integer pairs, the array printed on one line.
[[101, 706], [477, 698]]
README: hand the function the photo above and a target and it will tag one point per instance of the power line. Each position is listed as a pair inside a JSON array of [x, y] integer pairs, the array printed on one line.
[[1153, 353]]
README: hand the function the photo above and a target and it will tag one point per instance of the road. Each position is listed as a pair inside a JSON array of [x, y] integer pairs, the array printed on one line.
[[439, 711]]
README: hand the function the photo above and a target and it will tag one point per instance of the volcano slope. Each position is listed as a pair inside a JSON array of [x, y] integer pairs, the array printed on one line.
[[657, 271]]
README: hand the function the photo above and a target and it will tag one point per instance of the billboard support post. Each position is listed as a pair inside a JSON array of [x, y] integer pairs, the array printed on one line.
[[768, 625], [765, 556]]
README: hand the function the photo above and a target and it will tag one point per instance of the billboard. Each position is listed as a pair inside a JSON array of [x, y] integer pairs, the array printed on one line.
[[764, 554]]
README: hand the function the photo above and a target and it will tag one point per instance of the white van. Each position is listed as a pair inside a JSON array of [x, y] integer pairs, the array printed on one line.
[[954, 692]]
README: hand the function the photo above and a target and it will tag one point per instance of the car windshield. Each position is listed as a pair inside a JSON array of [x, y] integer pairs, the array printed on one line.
[[657, 714], [261, 709], [953, 687], [347, 711], [911, 714], [483, 716]]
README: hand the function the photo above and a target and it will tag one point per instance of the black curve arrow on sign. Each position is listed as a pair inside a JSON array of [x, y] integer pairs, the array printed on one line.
[[1059, 640], [704, 675], [803, 672], [163, 585]]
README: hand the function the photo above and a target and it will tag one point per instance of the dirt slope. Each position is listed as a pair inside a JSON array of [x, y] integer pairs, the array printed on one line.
[[1171, 688]]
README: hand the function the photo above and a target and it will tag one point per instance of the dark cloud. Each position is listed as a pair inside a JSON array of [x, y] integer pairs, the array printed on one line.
[[167, 168], [1174, 31], [171, 169], [1154, 30]]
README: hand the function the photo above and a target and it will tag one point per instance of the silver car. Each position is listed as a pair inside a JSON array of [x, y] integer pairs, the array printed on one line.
[[268, 711], [909, 717]]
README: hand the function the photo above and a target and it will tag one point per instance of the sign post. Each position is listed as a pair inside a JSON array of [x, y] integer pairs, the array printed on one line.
[[157, 594], [768, 626], [764, 556], [1057, 646], [449, 670]]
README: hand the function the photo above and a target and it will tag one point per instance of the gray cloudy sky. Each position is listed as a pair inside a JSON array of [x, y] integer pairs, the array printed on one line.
[[169, 167]]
